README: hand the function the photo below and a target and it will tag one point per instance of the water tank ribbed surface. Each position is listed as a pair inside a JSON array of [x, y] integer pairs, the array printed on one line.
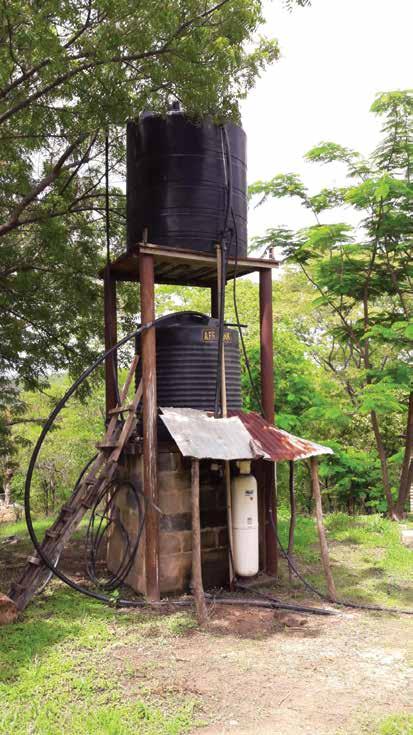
[[177, 182], [186, 363]]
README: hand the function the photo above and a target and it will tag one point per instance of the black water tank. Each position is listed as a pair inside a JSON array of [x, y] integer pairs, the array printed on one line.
[[186, 364], [177, 182]]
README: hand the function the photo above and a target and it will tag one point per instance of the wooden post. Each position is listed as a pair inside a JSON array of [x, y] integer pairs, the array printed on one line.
[[293, 510], [109, 300], [315, 482], [198, 587], [267, 399], [150, 414]]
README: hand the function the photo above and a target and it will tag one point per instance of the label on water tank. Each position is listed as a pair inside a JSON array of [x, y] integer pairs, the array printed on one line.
[[211, 335], [249, 521]]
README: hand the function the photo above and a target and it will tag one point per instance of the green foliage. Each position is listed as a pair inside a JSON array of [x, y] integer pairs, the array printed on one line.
[[363, 277]]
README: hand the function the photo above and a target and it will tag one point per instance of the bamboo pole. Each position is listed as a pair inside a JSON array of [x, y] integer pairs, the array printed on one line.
[[325, 559], [198, 588]]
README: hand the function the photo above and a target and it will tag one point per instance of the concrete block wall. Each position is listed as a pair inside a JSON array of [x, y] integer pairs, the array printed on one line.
[[174, 484]]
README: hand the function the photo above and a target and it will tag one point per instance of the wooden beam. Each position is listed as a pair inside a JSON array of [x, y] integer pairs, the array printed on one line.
[[267, 400], [111, 368], [197, 584], [150, 414], [325, 559]]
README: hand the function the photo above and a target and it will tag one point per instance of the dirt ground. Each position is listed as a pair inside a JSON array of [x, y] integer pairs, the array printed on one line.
[[250, 673]]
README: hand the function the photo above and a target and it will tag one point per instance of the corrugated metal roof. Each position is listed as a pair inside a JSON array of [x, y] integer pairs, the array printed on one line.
[[200, 435], [241, 436], [276, 444]]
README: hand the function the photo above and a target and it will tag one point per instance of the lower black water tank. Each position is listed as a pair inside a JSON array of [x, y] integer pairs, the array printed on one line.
[[177, 182], [186, 364]]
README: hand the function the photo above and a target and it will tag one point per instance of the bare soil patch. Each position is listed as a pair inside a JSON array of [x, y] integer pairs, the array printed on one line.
[[250, 672]]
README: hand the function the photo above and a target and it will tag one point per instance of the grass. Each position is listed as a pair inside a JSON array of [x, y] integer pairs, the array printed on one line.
[[40, 525], [396, 725], [370, 563], [52, 680], [56, 667], [391, 725]]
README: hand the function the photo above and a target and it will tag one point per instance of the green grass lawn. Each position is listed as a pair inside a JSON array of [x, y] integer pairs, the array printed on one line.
[[370, 564], [52, 681]]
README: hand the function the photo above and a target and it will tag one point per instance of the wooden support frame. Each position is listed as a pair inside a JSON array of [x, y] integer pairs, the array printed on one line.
[[267, 399], [110, 326], [150, 415], [149, 264]]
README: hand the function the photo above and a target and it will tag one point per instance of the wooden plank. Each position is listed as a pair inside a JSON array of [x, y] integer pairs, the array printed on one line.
[[126, 267], [197, 584], [267, 399], [147, 281], [325, 559]]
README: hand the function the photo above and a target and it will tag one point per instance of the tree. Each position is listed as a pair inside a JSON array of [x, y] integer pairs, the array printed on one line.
[[70, 71], [363, 277]]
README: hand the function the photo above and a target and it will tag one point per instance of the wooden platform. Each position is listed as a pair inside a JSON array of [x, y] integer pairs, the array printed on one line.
[[183, 267]]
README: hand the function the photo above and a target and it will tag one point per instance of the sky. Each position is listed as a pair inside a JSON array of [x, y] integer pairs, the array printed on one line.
[[335, 57]]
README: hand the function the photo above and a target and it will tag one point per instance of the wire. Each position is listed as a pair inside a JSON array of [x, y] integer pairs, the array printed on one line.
[[237, 319], [94, 538], [227, 162]]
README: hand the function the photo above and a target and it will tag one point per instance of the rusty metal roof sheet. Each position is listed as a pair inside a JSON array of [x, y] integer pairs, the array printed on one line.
[[241, 436], [276, 444]]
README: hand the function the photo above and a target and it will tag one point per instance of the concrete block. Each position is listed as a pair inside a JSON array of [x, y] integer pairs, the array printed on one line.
[[170, 543]]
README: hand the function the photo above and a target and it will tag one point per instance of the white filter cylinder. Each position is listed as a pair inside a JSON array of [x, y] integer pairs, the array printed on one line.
[[245, 525]]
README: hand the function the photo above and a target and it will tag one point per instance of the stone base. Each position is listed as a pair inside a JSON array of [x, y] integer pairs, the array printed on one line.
[[174, 500]]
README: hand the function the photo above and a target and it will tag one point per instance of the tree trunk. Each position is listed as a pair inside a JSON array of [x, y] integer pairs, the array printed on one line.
[[406, 473], [198, 588], [293, 518], [8, 476], [383, 463], [321, 530]]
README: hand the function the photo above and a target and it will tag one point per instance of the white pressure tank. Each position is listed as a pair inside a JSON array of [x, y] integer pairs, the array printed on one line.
[[245, 522]]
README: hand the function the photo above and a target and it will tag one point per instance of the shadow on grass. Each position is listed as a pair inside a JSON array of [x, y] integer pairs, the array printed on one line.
[[51, 620]]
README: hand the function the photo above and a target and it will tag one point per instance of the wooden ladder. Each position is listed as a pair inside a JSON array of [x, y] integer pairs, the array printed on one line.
[[100, 475]]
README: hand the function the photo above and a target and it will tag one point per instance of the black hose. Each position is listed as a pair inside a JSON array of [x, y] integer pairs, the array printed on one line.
[[94, 538], [237, 319], [226, 157], [45, 429]]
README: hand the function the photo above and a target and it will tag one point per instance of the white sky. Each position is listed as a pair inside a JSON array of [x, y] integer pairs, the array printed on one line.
[[336, 56]]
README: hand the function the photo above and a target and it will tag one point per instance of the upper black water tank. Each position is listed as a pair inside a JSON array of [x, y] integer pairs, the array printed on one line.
[[177, 182], [186, 363]]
